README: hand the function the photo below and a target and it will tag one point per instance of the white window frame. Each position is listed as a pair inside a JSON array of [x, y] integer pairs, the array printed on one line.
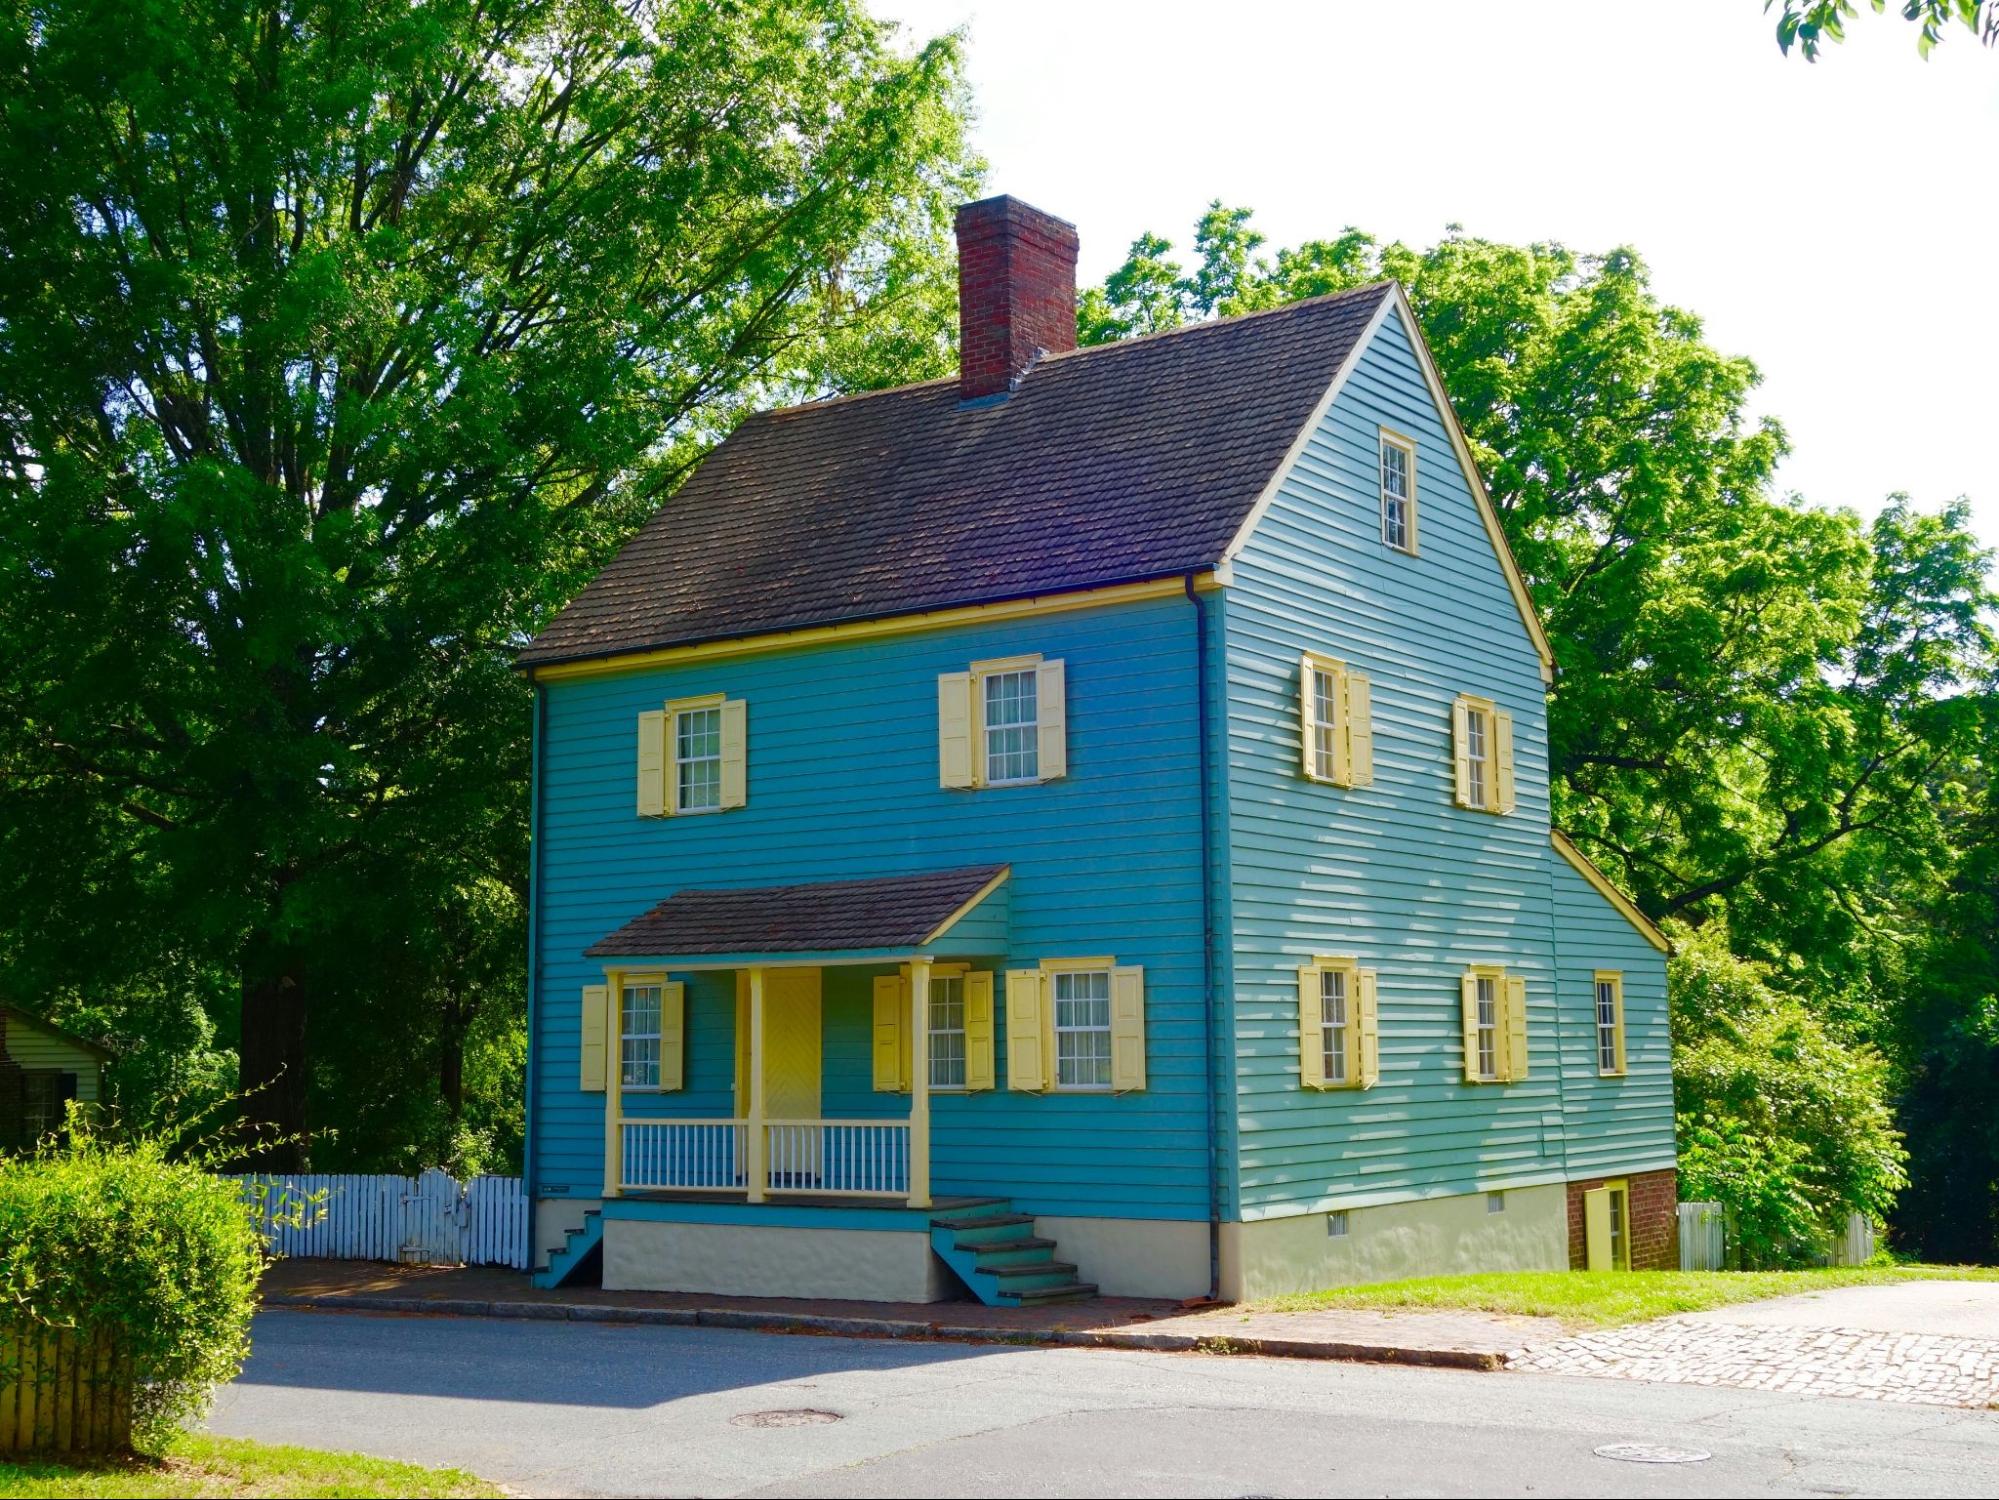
[[627, 986], [1328, 716], [1478, 753], [1489, 1036], [940, 976], [676, 712], [1072, 969], [1392, 441], [1609, 984], [1337, 1033], [1031, 726]]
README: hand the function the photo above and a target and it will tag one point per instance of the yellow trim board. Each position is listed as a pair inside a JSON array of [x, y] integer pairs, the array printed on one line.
[[952, 921], [859, 630], [1647, 928]]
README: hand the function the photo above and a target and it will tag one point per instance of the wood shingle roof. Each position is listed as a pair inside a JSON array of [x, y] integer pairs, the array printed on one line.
[[1108, 465]]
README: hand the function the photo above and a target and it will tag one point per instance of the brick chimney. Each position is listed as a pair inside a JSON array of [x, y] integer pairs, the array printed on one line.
[[1016, 292]]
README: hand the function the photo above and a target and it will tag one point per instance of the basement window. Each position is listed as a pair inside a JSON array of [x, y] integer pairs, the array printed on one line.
[[1336, 1224], [1495, 1203]]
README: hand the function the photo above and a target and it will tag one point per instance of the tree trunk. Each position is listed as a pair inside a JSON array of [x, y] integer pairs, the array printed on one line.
[[272, 1070], [451, 1064]]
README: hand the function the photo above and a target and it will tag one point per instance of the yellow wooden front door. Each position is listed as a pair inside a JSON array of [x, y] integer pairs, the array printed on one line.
[[792, 1066]]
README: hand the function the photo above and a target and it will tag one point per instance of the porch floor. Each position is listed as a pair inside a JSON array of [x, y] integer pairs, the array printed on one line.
[[942, 1204]]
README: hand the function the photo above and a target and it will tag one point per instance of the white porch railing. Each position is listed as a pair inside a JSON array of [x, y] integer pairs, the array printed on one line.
[[868, 1157], [849, 1157], [686, 1155]]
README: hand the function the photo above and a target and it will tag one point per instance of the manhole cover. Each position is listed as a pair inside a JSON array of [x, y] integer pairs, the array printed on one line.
[[1652, 1453], [801, 1416]]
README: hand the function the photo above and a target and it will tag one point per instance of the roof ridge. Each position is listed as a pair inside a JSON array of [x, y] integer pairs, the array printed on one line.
[[1230, 321]]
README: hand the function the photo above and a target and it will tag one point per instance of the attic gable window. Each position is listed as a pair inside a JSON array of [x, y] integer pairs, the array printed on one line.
[[1398, 491]]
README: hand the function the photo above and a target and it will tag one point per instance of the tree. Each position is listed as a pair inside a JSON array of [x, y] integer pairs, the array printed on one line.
[[341, 341], [1769, 719], [1810, 24]]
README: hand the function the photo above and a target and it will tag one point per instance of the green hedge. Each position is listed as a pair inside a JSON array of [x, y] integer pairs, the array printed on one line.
[[160, 1253]]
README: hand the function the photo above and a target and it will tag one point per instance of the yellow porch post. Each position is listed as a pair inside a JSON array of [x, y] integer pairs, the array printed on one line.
[[754, 1175], [919, 1083], [614, 1081]]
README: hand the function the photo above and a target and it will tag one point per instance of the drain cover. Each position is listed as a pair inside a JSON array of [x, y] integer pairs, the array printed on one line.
[[799, 1416], [1652, 1453]]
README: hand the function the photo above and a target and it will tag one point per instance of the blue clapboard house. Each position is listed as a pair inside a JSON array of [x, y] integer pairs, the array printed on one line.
[[1079, 826]]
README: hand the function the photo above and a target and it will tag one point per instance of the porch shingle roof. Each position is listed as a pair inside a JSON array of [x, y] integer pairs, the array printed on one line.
[[884, 911]]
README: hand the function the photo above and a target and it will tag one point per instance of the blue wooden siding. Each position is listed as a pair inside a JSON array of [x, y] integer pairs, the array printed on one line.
[[1623, 1124], [843, 783], [1393, 873]]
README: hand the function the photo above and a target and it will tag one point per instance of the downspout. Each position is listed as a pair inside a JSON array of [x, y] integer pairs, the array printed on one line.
[[1202, 718], [536, 734]]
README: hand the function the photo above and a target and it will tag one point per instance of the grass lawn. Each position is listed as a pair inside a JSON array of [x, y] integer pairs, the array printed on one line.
[[199, 1465], [1604, 1298]]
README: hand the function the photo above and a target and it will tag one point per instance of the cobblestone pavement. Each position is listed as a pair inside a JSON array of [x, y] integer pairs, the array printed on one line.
[[1930, 1369]]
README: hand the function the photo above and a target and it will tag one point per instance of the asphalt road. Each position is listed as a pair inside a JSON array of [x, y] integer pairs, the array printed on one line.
[[603, 1409]]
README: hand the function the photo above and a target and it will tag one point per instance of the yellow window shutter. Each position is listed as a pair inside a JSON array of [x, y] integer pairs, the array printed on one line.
[[954, 729], [1026, 1051], [673, 1036], [1461, 749], [1617, 990], [1596, 1230], [1468, 992], [1311, 1032], [978, 1031], [1051, 700], [596, 1012], [1127, 1028], [888, 1041], [1516, 1028], [1360, 729], [1367, 1028], [652, 764], [1502, 761], [1308, 721], [735, 752]]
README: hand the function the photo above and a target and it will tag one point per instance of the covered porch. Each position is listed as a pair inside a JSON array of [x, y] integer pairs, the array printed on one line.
[[899, 941]]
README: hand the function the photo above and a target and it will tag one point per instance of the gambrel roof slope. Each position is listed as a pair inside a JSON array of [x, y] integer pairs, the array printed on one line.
[[1114, 464]]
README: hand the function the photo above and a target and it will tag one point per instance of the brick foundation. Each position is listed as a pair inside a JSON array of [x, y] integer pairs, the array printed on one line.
[[1655, 1230]]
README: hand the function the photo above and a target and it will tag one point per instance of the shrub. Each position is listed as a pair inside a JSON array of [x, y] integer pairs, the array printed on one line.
[[160, 1253], [1781, 1119]]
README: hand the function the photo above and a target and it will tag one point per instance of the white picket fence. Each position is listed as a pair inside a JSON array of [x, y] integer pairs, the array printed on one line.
[[1704, 1239], [429, 1220]]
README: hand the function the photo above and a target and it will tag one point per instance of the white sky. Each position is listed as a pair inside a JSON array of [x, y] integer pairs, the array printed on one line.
[[1834, 222]]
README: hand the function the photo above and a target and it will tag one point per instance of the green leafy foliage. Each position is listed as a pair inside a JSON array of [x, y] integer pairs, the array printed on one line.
[[340, 343], [159, 1251], [1782, 1119], [1809, 24]]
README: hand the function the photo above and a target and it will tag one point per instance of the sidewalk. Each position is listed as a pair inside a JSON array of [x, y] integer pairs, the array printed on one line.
[[1469, 1341]]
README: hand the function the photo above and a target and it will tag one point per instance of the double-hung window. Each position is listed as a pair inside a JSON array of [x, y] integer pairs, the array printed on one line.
[[947, 1031], [1011, 727], [1488, 1026], [1398, 491], [1336, 721], [1339, 1037], [1482, 749], [697, 759], [1609, 1022], [1333, 1025], [1003, 723], [1082, 999], [1495, 1025], [693, 757], [639, 1036], [1326, 726]]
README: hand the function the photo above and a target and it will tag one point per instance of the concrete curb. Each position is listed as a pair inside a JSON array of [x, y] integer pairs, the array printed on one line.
[[899, 1328]]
